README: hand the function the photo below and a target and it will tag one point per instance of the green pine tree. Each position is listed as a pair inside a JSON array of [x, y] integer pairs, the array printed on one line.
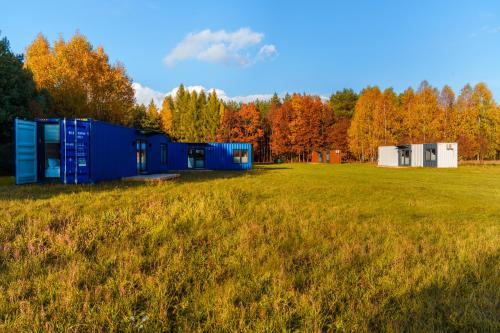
[[181, 104], [191, 117], [343, 103], [212, 117], [152, 119], [200, 125]]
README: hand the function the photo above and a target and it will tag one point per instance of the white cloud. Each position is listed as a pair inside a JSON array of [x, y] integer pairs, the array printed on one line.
[[220, 47], [267, 51], [143, 95], [250, 98], [198, 89]]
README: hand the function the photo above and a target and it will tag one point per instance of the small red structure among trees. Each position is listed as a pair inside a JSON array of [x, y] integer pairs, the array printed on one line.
[[327, 156]]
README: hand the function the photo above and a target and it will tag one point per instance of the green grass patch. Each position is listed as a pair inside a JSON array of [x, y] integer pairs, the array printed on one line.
[[283, 247]]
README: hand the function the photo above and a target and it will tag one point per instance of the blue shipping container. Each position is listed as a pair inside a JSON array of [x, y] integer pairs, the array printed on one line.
[[74, 151], [210, 156]]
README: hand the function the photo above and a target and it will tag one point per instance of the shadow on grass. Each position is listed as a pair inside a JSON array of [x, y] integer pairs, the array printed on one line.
[[48, 190], [469, 302], [10, 191], [207, 175]]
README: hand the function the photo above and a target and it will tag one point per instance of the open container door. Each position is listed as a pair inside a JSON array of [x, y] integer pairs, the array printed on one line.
[[26, 156]]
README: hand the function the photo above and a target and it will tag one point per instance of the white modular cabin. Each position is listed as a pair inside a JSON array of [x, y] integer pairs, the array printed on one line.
[[437, 155]]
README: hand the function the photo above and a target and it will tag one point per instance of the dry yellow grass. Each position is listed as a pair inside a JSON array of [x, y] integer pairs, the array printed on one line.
[[288, 247]]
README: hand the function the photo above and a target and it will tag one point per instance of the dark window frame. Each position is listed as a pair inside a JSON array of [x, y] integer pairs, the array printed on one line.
[[163, 154], [197, 154], [432, 154], [142, 151], [239, 154]]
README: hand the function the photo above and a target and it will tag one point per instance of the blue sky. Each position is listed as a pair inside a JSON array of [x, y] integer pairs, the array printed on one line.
[[259, 47]]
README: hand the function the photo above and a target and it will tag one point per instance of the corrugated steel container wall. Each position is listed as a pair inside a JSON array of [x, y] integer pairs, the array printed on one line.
[[219, 156], [417, 155], [388, 156], [447, 155], [75, 138], [177, 156], [113, 151], [153, 153]]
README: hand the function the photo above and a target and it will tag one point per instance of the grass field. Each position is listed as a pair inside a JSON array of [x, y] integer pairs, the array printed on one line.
[[285, 247]]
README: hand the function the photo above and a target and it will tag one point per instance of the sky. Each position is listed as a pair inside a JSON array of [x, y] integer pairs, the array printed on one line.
[[251, 49]]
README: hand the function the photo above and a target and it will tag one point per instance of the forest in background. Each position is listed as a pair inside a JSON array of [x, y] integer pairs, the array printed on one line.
[[74, 79]]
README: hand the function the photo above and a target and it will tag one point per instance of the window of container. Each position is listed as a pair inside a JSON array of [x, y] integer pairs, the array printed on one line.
[[430, 154], [240, 156], [163, 153]]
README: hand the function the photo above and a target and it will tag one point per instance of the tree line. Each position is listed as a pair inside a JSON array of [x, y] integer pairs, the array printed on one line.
[[426, 115], [74, 79], [291, 128]]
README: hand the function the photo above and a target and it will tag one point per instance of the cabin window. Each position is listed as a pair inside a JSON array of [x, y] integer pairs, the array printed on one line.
[[240, 156], [430, 154], [163, 153]]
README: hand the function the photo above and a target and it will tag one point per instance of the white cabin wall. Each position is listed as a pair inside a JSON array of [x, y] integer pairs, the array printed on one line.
[[417, 155], [388, 156], [447, 155]]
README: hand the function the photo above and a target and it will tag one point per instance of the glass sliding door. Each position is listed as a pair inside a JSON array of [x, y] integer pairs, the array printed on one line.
[[404, 157], [430, 155], [52, 150], [141, 156], [196, 158]]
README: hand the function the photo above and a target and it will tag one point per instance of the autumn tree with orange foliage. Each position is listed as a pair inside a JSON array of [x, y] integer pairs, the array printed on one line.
[[306, 130], [447, 117], [361, 132], [229, 124], [299, 126], [241, 125], [386, 119], [167, 116], [250, 125], [280, 117], [80, 79], [478, 123]]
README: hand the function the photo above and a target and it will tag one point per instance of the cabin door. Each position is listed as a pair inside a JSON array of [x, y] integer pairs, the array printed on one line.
[[26, 153]]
